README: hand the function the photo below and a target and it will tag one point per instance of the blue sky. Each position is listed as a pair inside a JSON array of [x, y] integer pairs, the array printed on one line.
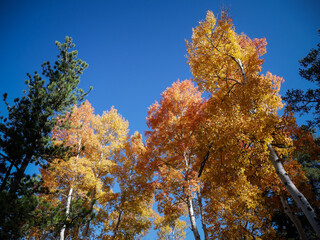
[[136, 49]]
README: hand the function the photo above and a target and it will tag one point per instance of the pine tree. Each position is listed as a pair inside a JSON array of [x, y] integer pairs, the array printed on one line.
[[25, 134], [305, 102]]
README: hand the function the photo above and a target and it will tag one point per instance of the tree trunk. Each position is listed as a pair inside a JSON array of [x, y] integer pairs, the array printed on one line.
[[62, 232], [293, 218], [193, 219], [298, 197], [19, 174], [4, 182], [204, 227]]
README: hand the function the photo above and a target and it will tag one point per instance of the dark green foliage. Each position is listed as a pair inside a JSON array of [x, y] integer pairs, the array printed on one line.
[[25, 134], [50, 220], [304, 102], [15, 211]]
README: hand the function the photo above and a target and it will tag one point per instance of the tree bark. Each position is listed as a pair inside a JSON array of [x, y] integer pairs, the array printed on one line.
[[204, 226], [297, 196], [193, 219], [293, 218], [62, 232], [4, 182], [20, 173], [204, 160]]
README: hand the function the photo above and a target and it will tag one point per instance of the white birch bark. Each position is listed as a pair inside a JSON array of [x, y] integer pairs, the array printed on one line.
[[62, 232], [190, 207], [293, 218], [297, 196], [193, 219], [204, 226]]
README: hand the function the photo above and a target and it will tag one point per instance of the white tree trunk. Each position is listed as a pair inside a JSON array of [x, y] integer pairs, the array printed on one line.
[[204, 226], [297, 196], [293, 218], [190, 204], [193, 219], [62, 232]]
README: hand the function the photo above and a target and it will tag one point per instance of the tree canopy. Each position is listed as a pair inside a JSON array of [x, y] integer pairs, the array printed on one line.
[[217, 157]]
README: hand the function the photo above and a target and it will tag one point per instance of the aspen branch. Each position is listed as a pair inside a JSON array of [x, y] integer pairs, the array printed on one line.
[[298, 197], [204, 160], [238, 62]]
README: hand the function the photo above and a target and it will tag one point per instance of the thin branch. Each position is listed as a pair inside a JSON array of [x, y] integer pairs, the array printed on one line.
[[281, 145], [9, 160], [204, 160]]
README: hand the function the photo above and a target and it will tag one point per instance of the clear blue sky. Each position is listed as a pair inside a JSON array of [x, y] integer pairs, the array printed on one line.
[[136, 49]]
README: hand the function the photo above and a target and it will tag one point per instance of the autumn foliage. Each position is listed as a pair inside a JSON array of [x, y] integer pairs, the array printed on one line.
[[129, 186]]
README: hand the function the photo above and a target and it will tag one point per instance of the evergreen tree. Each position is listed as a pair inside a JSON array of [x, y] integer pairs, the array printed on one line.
[[304, 102], [25, 135]]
